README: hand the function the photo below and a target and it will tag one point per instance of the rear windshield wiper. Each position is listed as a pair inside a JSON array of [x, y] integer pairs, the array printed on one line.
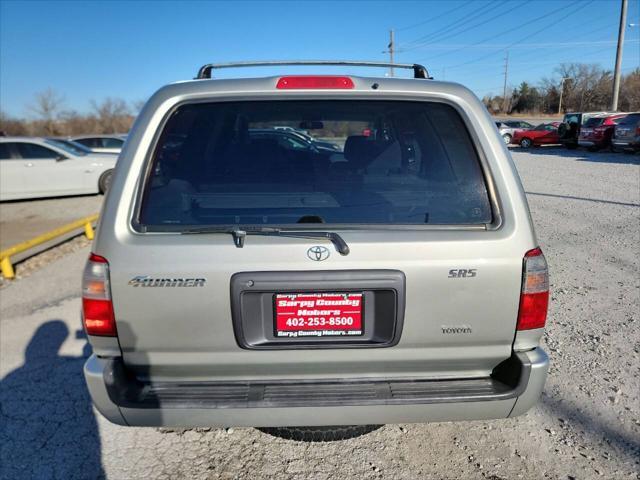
[[239, 235]]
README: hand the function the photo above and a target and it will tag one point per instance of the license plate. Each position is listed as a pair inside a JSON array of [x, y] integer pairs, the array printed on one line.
[[318, 314]]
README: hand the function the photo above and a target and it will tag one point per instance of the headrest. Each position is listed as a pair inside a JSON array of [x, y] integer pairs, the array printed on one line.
[[359, 151]]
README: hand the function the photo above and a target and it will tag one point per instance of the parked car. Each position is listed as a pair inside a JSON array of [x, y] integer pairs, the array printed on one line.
[[101, 143], [233, 283], [75, 145], [543, 134], [627, 133], [294, 140], [509, 127], [569, 129], [37, 167], [596, 132]]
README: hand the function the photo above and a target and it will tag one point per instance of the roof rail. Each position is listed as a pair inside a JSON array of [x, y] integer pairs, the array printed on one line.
[[418, 70]]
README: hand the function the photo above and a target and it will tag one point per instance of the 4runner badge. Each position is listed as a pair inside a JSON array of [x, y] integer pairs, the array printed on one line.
[[147, 281], [318, 253]]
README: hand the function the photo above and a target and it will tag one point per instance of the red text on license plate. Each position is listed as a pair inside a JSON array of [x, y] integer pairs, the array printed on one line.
[[318, 314]]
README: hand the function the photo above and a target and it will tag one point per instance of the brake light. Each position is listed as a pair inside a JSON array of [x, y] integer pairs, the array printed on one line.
[[534, 296], [317, 82], [97, 307], [637, 131]]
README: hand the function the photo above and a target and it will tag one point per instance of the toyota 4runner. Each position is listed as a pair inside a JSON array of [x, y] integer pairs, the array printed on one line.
[[244, 275]]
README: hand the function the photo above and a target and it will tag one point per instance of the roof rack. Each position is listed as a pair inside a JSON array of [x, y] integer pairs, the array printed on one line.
[[418, 70]]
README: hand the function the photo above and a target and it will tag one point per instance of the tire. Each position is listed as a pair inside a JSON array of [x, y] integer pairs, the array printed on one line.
[[593, 148], [507, 138], [571, 146], [563, 129], [526, 143], [105, 181], [320, 434]]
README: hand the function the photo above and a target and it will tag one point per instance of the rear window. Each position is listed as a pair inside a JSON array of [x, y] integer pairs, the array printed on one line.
[[334, 162], [593, 122], [630, 119]]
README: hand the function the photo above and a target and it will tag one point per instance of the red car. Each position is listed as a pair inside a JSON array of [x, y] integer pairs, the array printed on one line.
[[543, 134], [596, 133]]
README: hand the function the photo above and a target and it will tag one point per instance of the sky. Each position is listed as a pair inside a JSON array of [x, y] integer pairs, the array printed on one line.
[[90, 50]]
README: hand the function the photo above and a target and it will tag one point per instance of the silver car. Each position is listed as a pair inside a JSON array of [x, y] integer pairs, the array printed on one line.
[[101, 143], [509, 127], [314, 294], [45, 167]]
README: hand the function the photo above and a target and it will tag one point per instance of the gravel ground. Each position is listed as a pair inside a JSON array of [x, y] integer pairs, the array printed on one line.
[[587, 424], [24, 219]]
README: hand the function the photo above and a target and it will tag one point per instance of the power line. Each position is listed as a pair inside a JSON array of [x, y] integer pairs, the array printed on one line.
[[608, 48], [527, 36], [453, 33], [446, 28], [518, 27], [458, 47], [419, 24]]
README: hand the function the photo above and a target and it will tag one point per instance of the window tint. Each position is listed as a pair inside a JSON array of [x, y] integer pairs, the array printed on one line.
[[594, 122], [90, 142], [31, 151], [571, 119], [111, 143], [68, 146], [226, 164], [5, 151], [631, 119]]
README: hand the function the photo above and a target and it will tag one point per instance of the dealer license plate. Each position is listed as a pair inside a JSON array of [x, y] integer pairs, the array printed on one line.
[[318, 314]]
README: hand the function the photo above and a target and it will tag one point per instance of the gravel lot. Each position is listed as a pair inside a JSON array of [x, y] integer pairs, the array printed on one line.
[[587, 424], [24, 219]]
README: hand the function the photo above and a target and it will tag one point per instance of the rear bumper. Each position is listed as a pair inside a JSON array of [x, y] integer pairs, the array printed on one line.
[[626, 144], [585, 142], [513, 388]]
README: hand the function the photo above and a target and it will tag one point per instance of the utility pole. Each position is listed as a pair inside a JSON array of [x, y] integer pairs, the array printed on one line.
[[391, 47], [561, 93], [616, 72], [504, 89]]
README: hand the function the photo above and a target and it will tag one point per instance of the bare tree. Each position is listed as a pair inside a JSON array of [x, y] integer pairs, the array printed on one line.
[[46, 106], [137, 105], [112, 115]]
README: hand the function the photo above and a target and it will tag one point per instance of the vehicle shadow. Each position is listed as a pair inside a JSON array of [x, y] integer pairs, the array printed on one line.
[[582, 155], [47, 424], [626, 444]]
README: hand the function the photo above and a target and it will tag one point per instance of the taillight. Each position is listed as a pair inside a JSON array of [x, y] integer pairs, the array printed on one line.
[[311, 82], [97, 307], [534, 296], [637, 131]]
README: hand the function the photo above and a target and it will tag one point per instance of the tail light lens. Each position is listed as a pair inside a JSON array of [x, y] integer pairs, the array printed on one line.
[[637, 131], [534, 297], [317, 82], [97, 307]]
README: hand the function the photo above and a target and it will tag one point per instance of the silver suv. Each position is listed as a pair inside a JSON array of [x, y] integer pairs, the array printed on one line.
[[239, 279]]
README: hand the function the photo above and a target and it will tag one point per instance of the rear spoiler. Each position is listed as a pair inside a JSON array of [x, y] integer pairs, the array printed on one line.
[[419, 71]]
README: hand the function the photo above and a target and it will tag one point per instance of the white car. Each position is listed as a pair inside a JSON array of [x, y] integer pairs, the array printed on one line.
[[101, 143], [37, 167]]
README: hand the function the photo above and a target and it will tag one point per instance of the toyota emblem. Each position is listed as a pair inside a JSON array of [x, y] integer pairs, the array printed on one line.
[[318, 253]]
